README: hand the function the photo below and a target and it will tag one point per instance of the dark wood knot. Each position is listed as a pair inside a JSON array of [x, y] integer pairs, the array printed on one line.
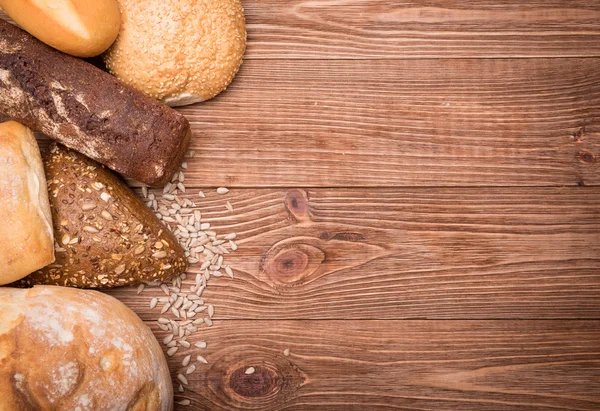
[[263, 382], [296, 204], [579, 135], [274, 381], [585, 157], [292, 261]]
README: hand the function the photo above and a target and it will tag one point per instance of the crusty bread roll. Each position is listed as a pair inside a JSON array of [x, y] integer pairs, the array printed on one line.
[[89, 110], [68, 349], [178, 51], [106, 236], [26, 239], [82, 28]]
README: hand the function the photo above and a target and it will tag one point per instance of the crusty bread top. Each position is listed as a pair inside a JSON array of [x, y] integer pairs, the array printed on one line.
[[179, 52], [26, 239], [69, 349]]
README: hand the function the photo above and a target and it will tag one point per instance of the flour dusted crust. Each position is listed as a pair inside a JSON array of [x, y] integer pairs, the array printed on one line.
[[70, 349], [26, 237], [89, 110]]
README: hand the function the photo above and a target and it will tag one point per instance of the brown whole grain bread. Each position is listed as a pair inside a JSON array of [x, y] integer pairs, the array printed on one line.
[[89, 110], [105, 236]]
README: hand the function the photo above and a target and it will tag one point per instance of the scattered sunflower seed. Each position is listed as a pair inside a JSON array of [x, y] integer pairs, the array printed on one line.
[[222, 190], [182, 379], [249, 371]]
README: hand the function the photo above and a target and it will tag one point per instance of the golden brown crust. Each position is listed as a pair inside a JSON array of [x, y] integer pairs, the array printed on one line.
[[68, 349], [26, 239], [71, 26], [105, 235], [180, 52]]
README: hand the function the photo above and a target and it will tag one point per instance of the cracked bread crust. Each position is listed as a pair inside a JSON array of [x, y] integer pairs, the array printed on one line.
[[68, 349]]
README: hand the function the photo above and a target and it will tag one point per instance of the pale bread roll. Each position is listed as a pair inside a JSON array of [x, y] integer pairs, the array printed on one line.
[[27, 241], [82, 28], [68, 349]]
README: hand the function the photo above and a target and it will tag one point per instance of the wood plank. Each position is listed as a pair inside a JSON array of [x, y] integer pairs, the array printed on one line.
[[364, 29], [367, 29], [452, 253], [407, 123], [404, 123], [384, 365]]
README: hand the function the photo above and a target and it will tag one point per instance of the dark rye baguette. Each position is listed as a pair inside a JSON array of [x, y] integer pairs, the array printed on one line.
[[89, 110], [105, 235]]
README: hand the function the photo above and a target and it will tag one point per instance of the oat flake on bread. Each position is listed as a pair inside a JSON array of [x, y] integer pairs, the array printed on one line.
[[178, 51]]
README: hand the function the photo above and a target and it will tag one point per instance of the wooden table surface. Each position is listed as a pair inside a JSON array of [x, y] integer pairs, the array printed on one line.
[[416, 194]]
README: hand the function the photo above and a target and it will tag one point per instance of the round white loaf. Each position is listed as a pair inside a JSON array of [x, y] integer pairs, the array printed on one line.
[[69, 349]]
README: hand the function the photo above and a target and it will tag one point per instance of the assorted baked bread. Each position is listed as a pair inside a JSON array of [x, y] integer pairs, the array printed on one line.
[[68, 349], [89, 110], [26, 239], [180, 52], [69, 221], [82, 28], [106, 236]]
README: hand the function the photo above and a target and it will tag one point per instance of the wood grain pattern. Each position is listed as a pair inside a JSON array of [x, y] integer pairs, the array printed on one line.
[[365, 29], [406, 253], [442, 98], [408, 365], [368, 29], [401, 123]]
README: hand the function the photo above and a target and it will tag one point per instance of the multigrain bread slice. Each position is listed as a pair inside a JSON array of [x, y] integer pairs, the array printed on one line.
[[89, 110], [105, 236]]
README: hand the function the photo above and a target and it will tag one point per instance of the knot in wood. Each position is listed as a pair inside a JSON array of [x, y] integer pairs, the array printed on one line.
[[292, 263], [264, 382], [585, 157], [296, 204], [272, 383]]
